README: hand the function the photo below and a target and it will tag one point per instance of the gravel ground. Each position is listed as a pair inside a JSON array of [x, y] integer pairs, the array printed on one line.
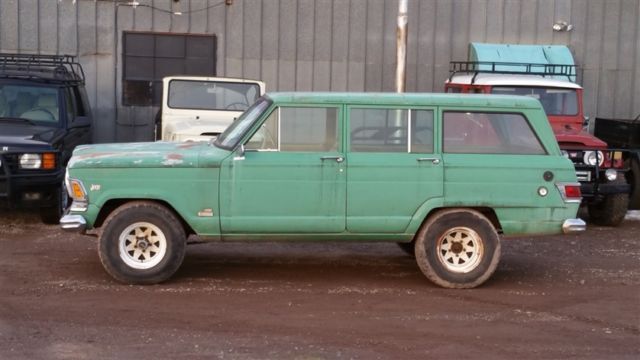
[[551, 297]]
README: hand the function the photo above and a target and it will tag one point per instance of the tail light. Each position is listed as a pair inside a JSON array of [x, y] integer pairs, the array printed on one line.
[[570, 192]]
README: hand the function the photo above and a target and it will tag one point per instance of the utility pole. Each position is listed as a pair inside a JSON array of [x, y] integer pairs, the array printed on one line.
[[401, 45]]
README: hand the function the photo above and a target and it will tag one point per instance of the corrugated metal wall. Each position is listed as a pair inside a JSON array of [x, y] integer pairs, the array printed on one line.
[[329, 44]]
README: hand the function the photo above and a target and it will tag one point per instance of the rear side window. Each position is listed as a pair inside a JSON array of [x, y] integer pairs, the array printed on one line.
[[489, 133], [391, 130]]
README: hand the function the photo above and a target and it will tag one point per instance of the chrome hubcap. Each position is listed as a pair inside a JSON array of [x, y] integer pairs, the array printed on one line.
[[460, 249]]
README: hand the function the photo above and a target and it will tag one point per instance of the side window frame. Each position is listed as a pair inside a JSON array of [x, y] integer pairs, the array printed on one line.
[[409, 109], [340, 110], [443, 110]]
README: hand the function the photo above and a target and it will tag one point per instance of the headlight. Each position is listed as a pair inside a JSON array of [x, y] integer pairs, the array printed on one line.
[[565, 153], [590, 158], [30, 161], [45, 161]]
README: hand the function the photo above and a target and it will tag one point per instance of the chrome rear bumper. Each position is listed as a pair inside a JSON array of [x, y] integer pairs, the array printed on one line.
[[73, 223], [572, 226]]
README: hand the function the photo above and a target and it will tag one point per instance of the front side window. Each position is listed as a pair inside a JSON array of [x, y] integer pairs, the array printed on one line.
[[34, 103], [298, 129], [489, 133], [212, 95], [391, 130], [555, 101]]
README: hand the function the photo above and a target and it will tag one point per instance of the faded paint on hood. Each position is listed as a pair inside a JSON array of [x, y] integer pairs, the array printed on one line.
[[148, 155]]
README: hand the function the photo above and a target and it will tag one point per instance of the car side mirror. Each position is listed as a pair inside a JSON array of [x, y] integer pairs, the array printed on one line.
[[80, 121], [585, 123]]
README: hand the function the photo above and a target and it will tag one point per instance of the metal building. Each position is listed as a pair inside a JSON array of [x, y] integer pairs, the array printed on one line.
[[323, 45]]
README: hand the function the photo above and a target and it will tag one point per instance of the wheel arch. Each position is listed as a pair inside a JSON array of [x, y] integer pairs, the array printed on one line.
[[113, 204], [488, 212]]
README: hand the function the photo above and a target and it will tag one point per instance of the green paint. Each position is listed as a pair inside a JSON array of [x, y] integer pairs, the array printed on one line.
[[379, 196]]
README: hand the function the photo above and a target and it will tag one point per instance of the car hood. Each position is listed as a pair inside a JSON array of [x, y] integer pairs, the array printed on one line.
[[148, 155], [17, 137], [575, 135]]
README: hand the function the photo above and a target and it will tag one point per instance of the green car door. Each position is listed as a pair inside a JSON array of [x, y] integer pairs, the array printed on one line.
[[393, 167], [291, 178]]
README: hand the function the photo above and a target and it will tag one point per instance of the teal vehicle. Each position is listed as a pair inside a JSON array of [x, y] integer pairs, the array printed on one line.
[[443, 175]]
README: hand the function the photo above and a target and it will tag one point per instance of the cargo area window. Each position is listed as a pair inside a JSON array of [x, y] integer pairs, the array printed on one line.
[[391, 130], [148, 57], [489, 133], [298, 129]]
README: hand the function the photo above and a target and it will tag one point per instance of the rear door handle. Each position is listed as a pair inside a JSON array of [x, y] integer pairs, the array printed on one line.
[[337, 159], [434, 161]]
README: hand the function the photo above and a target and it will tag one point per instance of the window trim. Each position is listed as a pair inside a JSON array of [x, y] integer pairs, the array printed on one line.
[[409, 108], [443, 111], [265, 117]]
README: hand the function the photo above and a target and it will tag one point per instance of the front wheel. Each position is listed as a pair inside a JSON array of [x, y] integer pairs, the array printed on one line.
[[142, 243], [457, 249], [612, 210]]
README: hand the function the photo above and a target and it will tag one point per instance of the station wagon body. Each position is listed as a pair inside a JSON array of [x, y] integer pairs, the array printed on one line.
[[335, 166]]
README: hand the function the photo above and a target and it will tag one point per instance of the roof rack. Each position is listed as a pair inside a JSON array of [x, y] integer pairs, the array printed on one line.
[[44, 67], [491, 67]]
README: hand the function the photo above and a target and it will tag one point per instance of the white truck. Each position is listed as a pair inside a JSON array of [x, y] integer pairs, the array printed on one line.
[[199, 108]]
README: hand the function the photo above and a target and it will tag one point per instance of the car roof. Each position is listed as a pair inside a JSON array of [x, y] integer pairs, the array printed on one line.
[[511, 80], [404, 99]]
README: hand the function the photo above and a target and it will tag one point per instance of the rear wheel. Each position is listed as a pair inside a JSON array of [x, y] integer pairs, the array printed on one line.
[[612, 210], [457, 249], [142, 243], [634, 181]]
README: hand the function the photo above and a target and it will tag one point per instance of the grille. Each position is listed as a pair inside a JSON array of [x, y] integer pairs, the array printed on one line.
[[583, 176]]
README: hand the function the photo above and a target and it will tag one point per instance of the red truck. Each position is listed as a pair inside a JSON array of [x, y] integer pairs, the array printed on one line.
[[548, 74]]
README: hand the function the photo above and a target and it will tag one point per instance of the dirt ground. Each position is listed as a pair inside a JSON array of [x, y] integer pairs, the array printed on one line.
[[551, 297]]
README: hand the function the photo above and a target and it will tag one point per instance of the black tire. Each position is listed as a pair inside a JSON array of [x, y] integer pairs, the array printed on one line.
[[51, 215], [612, 210], [161, 234], [408, 247], [454, 268], [634, 180]]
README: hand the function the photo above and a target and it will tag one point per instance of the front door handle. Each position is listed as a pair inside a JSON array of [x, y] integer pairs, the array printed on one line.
[[337, 159], [434, 161]]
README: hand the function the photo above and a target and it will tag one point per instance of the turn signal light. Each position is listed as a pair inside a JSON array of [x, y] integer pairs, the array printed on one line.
[[49, 161], [77, 192]]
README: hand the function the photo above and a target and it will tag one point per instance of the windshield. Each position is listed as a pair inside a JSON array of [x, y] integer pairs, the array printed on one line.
[[34, 103], [555, 101], [230, 137], [212, 95]]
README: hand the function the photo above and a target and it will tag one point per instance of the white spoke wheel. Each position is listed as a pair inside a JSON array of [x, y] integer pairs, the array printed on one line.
[[460, 249], [142, 245], [457, 248], [142, 242]]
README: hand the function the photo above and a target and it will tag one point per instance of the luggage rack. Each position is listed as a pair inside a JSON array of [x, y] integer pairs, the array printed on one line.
[[43, 67], [491, 67]]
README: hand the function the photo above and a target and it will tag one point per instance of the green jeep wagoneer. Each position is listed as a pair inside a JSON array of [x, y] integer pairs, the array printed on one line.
[[443, 175]]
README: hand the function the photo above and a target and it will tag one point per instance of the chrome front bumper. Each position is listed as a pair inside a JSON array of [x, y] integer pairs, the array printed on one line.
[[572, 226], [73, 223]]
